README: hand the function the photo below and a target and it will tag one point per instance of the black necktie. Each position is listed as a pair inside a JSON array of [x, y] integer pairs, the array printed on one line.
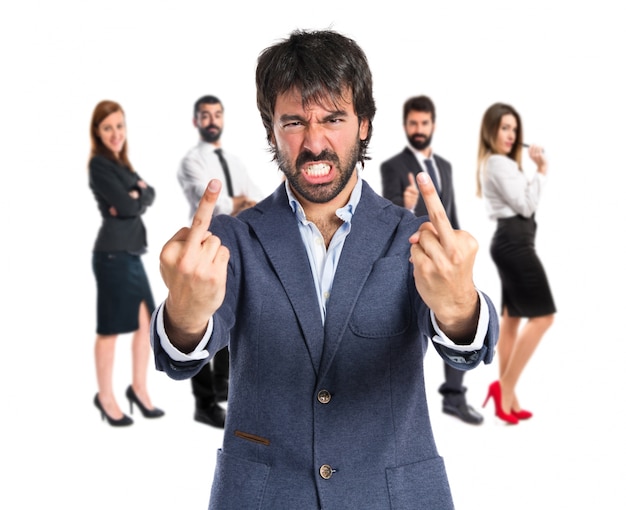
[[433, 174], [229, 184]]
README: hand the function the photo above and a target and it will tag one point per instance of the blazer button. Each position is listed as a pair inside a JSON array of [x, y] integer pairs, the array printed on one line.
[[323, 396], [326, 472]]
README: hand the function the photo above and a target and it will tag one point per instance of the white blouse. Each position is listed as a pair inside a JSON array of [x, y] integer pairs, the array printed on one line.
[[507, 190]]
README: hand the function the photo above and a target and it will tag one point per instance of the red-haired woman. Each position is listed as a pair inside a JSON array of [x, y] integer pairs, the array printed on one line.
[[124, 297]]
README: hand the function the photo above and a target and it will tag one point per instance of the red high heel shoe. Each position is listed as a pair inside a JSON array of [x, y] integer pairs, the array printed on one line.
[[495, 392], [522, 414]]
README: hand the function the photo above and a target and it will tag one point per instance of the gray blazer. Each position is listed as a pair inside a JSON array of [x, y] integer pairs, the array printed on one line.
[[315, 420]]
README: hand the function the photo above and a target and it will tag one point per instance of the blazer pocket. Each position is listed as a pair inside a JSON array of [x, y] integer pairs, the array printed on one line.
[[383, 308], [420, 486], [238, 483]]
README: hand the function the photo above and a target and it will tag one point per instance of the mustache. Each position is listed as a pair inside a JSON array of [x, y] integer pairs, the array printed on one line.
[[307, 156], [210, 126]]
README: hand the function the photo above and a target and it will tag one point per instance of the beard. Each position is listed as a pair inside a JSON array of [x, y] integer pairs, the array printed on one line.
[[210, 134], [319, 193], [419, 142]]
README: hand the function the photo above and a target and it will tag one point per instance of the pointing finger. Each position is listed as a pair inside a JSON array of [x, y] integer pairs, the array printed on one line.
[[412, 182]]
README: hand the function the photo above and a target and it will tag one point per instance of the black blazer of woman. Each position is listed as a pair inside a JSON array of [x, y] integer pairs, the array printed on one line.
[[111, 184]]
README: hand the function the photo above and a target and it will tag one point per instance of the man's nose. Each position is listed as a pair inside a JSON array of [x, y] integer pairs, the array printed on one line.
[[315, 138]]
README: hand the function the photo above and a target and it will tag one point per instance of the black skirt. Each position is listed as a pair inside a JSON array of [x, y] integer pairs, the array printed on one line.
[[122, 285], [525, 288]]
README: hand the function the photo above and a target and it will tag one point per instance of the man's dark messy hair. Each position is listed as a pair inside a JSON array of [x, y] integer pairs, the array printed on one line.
[[320, 65]]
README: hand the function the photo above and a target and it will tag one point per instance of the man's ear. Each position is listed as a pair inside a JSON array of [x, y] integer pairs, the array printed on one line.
[[363, 129]]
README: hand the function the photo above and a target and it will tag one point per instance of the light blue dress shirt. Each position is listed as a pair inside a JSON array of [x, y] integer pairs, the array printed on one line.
[[324, 261]]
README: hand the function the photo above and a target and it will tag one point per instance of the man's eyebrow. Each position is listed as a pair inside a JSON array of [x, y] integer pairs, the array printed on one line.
[[290, 117], [335, 114]]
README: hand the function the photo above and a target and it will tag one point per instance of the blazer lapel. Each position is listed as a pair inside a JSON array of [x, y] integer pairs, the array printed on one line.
[[444, 176], [292, 266], [368, 237], [411, 161]]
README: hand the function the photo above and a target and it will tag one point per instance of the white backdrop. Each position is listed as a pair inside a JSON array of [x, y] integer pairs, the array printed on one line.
[[558, 63]]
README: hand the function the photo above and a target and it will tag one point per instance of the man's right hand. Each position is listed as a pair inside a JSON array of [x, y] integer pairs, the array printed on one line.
[[241, 203], [411, 194], [193, 266]]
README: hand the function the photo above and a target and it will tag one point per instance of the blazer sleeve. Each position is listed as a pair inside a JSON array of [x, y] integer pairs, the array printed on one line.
[[223, 319], [113, 188], [147, 194], [467, 360], [179, 370], [393, 183]]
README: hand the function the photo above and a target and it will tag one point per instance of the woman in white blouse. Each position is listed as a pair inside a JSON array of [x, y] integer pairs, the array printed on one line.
[[511, 199]]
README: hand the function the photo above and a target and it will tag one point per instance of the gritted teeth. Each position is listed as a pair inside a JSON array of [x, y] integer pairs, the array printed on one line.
[[317, 169]]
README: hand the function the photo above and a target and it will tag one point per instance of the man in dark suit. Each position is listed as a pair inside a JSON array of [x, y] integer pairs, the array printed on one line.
[[398, 185]]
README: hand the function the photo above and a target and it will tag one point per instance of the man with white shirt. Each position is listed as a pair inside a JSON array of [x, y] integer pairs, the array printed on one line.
[[398, 185], [205, 161], [202, 163]]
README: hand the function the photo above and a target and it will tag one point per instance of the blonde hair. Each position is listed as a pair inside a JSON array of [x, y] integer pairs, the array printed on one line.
[[489, 134]]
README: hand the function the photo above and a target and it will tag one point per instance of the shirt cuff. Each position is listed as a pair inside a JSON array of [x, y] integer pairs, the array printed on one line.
[[481, 330], [200, 352]]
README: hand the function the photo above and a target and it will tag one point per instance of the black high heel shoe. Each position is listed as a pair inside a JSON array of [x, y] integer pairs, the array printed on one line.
[[147, 413], [122, 422]]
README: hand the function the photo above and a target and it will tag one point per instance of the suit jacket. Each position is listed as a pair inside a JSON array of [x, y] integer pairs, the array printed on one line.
[[326, 415], [394, 178], [110, 184]]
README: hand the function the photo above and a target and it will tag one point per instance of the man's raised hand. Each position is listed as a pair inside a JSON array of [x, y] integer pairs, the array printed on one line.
[[193, 266], [443, 264], [411, 194]]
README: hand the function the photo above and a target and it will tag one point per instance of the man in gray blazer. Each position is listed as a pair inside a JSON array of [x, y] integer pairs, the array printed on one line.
[[398, 185], [327, 295]]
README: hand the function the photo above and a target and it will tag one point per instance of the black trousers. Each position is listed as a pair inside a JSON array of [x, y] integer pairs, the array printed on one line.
[[453, 384], [203, 384]]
